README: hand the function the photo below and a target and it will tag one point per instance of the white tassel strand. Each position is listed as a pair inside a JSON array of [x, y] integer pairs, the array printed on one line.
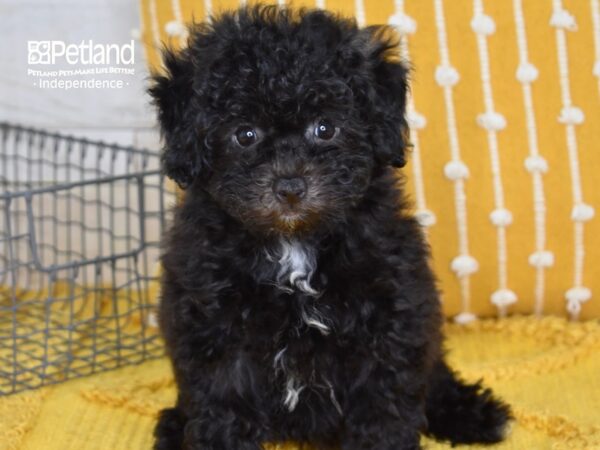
[[447, 76]]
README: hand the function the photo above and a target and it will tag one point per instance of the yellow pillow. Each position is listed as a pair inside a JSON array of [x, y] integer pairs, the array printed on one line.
[[506, 132]]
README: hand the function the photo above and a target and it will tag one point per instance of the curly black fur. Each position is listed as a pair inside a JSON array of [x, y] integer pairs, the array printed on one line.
[[316, 320]]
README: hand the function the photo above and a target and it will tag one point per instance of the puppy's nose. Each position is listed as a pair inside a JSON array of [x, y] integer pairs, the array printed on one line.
[[290, 190]]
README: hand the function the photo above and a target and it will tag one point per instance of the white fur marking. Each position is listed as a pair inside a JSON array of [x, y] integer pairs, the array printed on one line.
[[333, 398], [278, 361], [311, 321], [292, 395], [297, 263]]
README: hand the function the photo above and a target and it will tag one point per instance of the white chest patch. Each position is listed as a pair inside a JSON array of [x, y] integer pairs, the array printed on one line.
[[292, 393], [297, 263]]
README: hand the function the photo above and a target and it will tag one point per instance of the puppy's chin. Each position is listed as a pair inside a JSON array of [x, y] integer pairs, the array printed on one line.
[[294, 222], [288, 222]]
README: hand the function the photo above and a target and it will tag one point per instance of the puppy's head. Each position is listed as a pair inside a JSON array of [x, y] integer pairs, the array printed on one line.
[[282, 116]]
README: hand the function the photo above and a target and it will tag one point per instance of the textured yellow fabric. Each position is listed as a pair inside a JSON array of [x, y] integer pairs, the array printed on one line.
[[86, 327], [545, 368], [566, 164]]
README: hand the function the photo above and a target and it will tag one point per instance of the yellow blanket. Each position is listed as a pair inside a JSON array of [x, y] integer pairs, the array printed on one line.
[[546, 369]]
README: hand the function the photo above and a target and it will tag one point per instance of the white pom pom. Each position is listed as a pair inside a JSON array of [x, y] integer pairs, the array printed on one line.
[[536, 164], [464, 265], [152, 320], [465, 318], [456, 170], [416, 120], [135, 33], [403, 23], [578, 294], [543, 258], [425, 217], [582, 212], [483, 24], [175, 28], [597, 69], [503, 297], [575, 297], [571, 115], [491, 121], [563, 19], [527, 72], [446, 76], [501, 217]]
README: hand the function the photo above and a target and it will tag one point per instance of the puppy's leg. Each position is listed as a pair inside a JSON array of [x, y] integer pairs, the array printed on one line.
[[463, 413], [219, 427], [223, 401], [215, 426], [168, 433], [377, 418]]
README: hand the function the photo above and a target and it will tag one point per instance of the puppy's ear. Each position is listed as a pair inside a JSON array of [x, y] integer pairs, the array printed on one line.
[[390, 75], [172, 94]]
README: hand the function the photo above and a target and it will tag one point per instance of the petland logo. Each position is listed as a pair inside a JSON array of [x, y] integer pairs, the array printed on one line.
[[57, 65], [86, 53]]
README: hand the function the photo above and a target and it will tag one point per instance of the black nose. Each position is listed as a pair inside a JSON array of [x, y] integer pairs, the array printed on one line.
[[290, 190]]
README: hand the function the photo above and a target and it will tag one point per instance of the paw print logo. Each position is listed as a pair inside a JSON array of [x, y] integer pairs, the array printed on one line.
[[38, 52]]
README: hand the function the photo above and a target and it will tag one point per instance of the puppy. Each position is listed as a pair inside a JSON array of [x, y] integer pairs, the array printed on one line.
[[297, 299]]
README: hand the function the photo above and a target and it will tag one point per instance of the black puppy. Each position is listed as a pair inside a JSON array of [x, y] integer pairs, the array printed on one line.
[[297, 299]]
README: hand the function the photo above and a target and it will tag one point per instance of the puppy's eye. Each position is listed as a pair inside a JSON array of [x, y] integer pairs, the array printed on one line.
[[245, 136], [325, 130]]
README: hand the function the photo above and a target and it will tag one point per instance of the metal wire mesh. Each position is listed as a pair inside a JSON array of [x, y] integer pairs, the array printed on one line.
[[80, 224]]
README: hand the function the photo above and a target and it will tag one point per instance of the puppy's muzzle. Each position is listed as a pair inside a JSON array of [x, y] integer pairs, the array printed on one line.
[[290, 191]]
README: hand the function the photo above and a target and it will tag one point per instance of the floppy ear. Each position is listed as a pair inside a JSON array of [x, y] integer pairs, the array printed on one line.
[[390, 75], [172, 94]]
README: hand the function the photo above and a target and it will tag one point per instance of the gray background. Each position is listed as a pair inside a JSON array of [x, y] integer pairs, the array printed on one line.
[[115, 115]]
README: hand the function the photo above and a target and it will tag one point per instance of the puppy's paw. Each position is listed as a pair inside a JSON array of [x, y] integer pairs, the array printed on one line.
[[168, 433], [384, 440]]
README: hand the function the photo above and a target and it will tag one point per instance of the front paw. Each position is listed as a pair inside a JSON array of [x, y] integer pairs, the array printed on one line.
[[221, 443], [221, 435], [168, 433], [375, 437], [227, 444]]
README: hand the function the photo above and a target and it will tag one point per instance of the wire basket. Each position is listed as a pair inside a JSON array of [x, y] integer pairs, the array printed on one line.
[[80, 224]]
